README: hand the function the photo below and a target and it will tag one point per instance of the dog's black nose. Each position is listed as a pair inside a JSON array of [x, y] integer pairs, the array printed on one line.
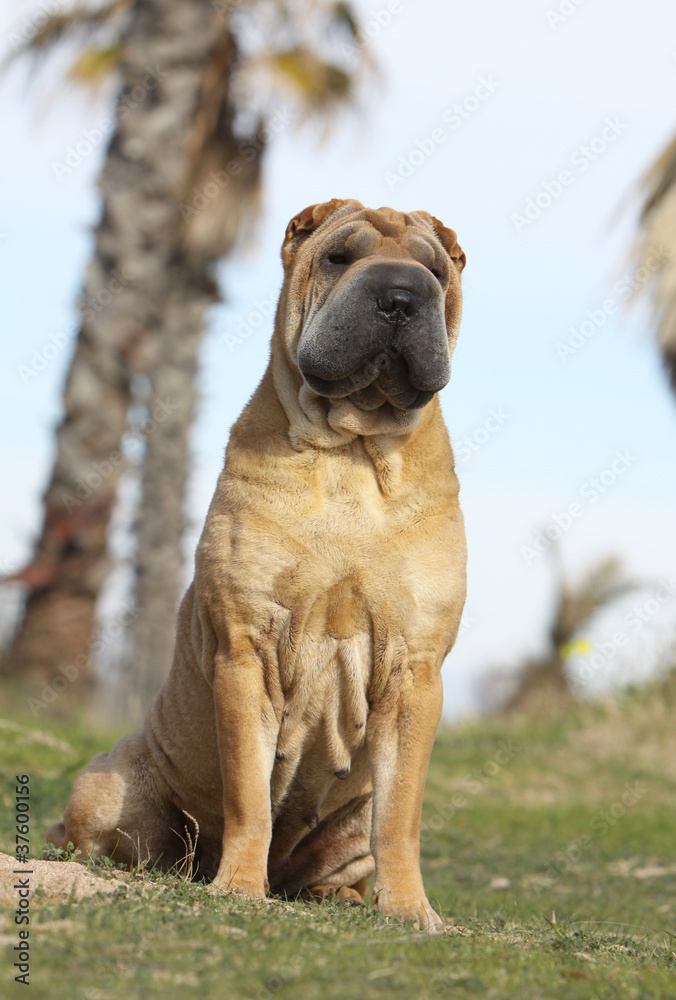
[[398, 300]]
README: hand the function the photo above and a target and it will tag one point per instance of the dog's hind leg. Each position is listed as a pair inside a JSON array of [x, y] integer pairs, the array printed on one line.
[[333, 857], [116, 809]]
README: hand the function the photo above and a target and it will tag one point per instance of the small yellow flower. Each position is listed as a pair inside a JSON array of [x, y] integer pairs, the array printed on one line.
[[578, 647]]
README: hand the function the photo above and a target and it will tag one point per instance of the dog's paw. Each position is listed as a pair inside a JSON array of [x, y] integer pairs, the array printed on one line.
[[336, 893], [418, 910]]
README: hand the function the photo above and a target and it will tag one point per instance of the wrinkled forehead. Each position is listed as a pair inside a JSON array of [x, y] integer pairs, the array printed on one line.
[[381, 231]]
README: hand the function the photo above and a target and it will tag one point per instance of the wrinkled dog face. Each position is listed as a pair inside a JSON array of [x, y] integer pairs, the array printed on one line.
[[381, 302]]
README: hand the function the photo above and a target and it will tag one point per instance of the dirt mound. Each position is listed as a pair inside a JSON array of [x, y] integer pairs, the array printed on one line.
[[57, 879]]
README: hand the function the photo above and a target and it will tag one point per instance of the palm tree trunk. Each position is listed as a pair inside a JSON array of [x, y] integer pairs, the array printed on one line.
[[220, 192], [130, 283], [70, 561], [161, 522]]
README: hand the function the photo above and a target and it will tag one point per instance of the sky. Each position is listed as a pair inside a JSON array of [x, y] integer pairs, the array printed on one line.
[[526, 127]]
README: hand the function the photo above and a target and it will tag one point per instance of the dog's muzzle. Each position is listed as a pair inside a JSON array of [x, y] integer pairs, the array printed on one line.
[[380, 336]]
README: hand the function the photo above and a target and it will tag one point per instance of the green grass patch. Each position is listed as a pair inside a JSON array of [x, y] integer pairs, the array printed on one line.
[[549, 847]]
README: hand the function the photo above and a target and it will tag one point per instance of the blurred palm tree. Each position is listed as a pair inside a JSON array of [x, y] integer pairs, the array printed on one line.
[[202, 88], [541, 685], [656, 251]]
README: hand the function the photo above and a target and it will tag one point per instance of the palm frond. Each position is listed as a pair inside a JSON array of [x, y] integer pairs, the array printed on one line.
[[344, 17], [540, 684], [95, 64], [319, 86], [308, 53], [576, 605], [660, 178], [655, 252], [80, 23]]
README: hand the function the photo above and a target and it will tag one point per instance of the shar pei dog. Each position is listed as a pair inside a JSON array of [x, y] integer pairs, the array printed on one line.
[[297, 721]]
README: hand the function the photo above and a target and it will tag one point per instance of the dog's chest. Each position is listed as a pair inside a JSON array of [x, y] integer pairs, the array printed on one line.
[[352, 581], [344, 590], [325, 680], [345, 630]]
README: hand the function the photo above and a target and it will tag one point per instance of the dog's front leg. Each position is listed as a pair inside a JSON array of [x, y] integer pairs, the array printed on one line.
[[400, 733], [246, 730]]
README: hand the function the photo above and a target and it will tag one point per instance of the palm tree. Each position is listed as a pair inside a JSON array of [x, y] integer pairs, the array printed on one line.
[[656, 252], [181, 181], [541, 685]]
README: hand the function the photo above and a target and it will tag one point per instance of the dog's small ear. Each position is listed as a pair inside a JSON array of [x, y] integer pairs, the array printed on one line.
[[449, 242], [311, 217]]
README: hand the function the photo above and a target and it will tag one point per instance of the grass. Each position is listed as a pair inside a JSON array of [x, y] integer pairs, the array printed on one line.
[[548, 846]]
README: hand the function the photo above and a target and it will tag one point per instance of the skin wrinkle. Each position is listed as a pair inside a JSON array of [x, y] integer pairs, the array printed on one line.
[[343, 418]]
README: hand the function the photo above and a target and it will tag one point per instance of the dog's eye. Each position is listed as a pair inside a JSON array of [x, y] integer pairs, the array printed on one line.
[[437, 274], [337, 258]]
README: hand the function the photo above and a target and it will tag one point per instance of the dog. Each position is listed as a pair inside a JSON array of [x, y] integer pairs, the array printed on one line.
[[293, 734]]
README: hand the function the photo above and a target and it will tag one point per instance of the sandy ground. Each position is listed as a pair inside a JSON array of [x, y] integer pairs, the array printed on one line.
[[58, 879]]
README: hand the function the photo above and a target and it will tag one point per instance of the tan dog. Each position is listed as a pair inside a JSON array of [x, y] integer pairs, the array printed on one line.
[[298, 718]]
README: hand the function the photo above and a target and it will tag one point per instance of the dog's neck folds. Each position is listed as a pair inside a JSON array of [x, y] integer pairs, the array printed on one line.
[[310, 424]]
